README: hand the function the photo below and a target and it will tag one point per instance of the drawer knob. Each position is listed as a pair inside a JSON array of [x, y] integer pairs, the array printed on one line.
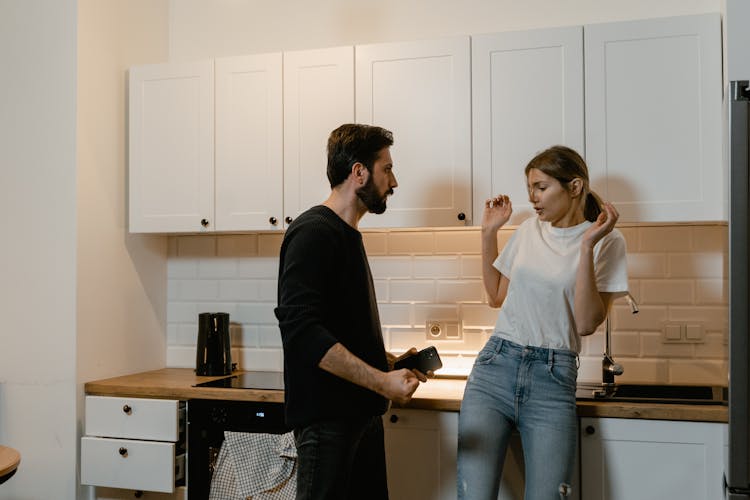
[[127, 409], [123, 451], [394, 418]]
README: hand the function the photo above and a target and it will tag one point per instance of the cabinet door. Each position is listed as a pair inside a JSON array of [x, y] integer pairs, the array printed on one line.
[[622, 459], [653, 117], [420, 451], [421, 92], [527, 95], [249, 143], [318, 97], [171, 147]]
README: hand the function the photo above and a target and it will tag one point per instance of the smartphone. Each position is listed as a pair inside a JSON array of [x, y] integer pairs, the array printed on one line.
[[425, 360]]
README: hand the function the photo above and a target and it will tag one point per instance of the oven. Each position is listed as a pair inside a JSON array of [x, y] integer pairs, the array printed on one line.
[[207, 419]]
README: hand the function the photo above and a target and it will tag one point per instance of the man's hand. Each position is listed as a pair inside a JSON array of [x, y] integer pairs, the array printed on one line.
[[399, 385]]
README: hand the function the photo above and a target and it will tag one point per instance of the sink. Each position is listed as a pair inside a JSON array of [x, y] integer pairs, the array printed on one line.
[[647, 393]]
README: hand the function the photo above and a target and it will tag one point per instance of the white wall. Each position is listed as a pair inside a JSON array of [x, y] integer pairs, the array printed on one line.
[[38, 250], [79, 298], [200, 29], [121, 285]]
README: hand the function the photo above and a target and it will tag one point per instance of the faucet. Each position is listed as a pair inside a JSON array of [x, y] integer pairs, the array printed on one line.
[[609, 367]]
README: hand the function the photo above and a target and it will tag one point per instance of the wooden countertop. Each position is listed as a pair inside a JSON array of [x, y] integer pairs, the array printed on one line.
[[436, 394]]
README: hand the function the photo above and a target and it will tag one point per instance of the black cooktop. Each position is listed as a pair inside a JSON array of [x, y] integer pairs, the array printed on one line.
[[248, 380]]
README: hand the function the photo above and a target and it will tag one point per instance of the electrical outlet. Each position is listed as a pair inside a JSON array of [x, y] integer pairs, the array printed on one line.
[[442, 330]]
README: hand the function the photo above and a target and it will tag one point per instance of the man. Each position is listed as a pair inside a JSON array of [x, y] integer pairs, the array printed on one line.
[[336, 370]]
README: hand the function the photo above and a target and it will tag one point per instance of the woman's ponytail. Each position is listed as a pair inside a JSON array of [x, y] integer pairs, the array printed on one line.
[[592, 207]]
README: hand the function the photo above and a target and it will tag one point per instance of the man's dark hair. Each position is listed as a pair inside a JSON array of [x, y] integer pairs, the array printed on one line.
[[352, 143]]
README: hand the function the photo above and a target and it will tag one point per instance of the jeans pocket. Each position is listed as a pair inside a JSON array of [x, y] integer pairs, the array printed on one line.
[[564, 372], [488, 353]]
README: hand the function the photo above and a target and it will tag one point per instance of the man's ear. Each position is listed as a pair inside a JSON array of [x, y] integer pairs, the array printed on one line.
[[359, 171]]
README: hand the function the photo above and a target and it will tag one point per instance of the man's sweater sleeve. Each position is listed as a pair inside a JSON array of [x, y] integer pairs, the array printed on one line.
[[307, 267]]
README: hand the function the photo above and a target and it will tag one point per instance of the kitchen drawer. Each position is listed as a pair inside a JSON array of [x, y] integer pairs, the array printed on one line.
[[152, 419], [135, 465]]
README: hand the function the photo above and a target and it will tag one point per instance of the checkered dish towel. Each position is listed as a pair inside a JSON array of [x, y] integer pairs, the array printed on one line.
[[255, 466]]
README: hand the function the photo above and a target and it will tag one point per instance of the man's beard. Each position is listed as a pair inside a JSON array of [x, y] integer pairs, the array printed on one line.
[[375, 203]]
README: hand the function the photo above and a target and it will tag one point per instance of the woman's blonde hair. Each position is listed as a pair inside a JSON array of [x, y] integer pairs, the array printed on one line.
[[565, 164]]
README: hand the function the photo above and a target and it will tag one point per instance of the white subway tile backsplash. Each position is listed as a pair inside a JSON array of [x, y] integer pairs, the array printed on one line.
[[663, 291], [411, 243], [665, 239], [676, 273], [471, 266], [391, 267], [479, 316], [259, 267], [459, 291], [217, 268], [712, 291], [647, 265], [654, 346], [182, 268], [395, 315], [256, 313], [425, 312], [197, 290], [234, 290], [411, 291], [437, 267], [698, 265], [698, 372], [458, 242], [269, 336], [258, 359]]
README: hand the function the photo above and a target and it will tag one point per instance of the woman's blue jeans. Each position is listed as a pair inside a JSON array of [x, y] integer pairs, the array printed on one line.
[[531, 389]]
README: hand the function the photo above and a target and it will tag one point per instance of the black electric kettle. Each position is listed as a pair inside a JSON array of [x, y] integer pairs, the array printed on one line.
[[213, 354]]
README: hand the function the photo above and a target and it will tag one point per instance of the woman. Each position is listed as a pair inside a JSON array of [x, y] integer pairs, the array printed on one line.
[[554, 282]]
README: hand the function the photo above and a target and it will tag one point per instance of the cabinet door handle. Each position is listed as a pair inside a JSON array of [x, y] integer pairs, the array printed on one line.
[[127, 409], [204, 222], [123, 451], [288, 220], [461, 216], [394, 418], [273, 220], [590, 429]]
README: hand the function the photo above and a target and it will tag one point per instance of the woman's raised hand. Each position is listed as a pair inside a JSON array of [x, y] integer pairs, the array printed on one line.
[[497, 212], [602, 225]]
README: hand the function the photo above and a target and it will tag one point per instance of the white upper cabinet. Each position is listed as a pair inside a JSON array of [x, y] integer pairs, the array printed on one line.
[[249, 143], [527, 95], [653, 117], [171, 147], [318, 97], [421, 92]]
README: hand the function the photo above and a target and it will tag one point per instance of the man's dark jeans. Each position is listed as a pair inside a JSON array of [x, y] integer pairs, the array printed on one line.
[[341, 459]]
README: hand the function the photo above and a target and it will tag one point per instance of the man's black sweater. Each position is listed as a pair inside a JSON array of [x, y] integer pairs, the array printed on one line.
[[325, 296]]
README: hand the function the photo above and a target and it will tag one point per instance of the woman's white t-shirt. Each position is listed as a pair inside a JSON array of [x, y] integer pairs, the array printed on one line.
[[541, 262]]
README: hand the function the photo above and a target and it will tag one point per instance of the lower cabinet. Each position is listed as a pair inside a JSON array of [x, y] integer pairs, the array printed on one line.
[[421, 449], [623, 459], [134, 444]]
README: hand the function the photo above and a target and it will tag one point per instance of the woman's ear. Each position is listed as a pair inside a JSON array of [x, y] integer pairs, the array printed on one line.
[[576, 187]]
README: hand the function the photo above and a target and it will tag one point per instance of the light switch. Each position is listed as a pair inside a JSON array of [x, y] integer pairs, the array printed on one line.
[[672, 331], [694, 333]]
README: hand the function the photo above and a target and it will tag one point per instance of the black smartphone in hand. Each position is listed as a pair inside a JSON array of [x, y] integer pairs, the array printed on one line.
[[425, 360]]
